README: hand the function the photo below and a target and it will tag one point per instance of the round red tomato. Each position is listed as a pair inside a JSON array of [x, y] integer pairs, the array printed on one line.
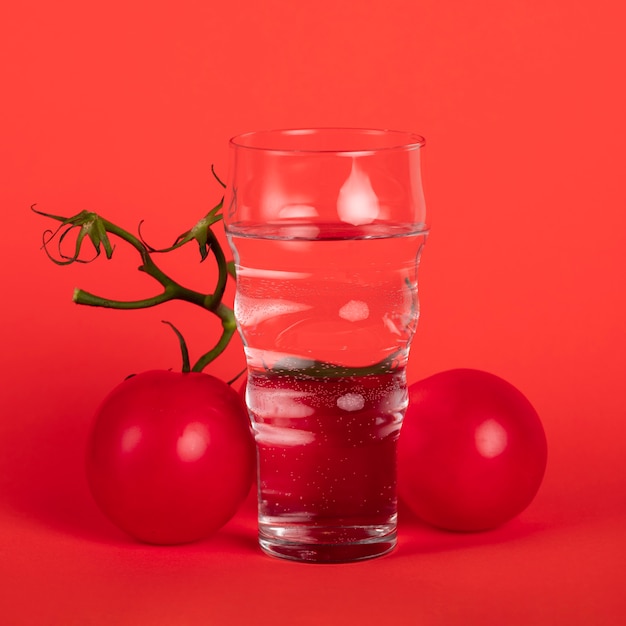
[[170, 457], [472, 451]]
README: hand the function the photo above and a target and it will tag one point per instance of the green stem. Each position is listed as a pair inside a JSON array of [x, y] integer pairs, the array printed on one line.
[[213, 300], [96, 228], [89, 299], [229, 327], [183, 346], [172, 289], [148, 265], [175, 291]]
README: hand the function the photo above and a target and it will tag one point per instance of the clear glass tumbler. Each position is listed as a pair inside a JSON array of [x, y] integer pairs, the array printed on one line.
[[326, 227]]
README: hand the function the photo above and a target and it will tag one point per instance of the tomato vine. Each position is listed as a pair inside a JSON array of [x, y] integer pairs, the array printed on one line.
[[91, 226]]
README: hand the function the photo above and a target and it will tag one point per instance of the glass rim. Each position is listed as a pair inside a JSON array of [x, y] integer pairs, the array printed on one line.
[[410, 141]]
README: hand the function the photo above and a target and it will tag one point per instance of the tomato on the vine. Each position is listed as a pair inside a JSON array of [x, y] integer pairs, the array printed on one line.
[[472, 451], [170, 457]]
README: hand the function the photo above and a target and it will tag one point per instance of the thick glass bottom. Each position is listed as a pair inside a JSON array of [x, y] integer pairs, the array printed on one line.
[[315, 543]]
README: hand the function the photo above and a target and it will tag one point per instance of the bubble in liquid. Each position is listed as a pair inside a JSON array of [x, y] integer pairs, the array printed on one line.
[[351, 402], [354, 311]]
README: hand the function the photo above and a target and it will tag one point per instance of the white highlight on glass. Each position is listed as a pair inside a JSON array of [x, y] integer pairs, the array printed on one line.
[[278, 403], [253, 272], [391, 325], [395, 400], [276, 196], [357, 202], [491, 439], [299, 217], [354, 311], [295, 211], [278, 436], [351, 402], [253, 311]]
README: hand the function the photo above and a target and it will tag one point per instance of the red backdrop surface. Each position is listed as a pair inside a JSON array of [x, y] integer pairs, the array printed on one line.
[[122, 107]]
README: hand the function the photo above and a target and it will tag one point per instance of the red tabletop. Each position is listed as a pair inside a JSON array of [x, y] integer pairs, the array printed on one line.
[[62, 563]]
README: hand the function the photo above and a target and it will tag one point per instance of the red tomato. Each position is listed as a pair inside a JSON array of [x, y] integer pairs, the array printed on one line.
[[170, 457], [472, 451]]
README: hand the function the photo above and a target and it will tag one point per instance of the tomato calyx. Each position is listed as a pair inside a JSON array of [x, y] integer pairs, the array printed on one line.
[[90, 226], [171, 453]]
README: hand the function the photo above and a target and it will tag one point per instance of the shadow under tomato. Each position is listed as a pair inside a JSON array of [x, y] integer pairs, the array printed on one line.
[[45, 478], [241, 532], [417, 537], [45, 483]]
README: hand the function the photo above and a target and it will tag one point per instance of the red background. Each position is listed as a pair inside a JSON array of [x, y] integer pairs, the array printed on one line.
[[121, 107]]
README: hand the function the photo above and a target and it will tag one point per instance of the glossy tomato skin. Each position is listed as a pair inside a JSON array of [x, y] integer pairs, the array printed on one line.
[[170, 457], [472, 451]]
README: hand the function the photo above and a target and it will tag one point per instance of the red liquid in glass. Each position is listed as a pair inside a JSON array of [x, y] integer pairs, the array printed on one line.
[[327, 462]]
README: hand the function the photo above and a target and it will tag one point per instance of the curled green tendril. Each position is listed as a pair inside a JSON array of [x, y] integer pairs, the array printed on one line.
[[91, 226]]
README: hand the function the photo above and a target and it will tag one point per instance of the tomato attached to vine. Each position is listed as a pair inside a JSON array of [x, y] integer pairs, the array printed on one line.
[[170, 456]]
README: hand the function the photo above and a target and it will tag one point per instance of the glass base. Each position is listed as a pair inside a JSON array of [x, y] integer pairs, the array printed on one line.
[[324, 544]]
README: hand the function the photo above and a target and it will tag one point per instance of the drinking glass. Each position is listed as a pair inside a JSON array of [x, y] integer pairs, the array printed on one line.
[[326, 227]]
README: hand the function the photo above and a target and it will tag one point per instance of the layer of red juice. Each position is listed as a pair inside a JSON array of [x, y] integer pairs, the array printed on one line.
[[327, 446]]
